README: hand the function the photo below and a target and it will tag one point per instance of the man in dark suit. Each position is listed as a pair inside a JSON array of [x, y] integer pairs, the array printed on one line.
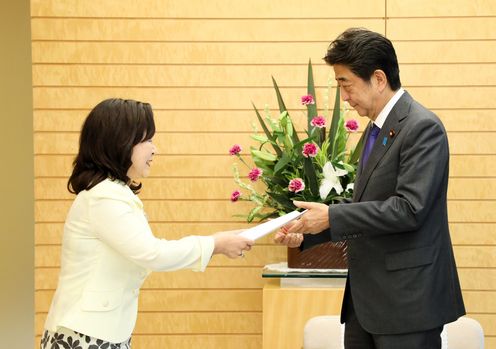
[[402, 284]]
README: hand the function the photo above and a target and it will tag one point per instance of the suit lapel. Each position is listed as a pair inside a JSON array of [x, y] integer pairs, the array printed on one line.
[[388, 134]]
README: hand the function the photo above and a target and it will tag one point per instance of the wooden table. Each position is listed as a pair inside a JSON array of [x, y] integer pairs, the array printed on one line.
[[287, 309]]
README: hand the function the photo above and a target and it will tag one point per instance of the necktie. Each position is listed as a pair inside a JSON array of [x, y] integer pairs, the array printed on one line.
[[374, 132]]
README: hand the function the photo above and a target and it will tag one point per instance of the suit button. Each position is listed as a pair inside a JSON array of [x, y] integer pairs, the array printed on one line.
[[105, 303]]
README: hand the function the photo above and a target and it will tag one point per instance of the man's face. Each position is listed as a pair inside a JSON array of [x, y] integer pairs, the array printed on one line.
[[363, 96]]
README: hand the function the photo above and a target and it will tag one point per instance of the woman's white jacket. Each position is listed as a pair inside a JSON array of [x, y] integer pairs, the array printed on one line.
[[108, 250]]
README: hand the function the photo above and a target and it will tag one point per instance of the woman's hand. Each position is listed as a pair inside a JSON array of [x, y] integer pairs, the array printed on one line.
[[232, 245], [289, 239]]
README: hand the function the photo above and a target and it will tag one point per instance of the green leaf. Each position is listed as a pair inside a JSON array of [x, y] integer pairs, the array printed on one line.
[[253, 212], [264, 155], [311, 108], [311, 176], [280, 101], [260, 138], [282, 163], [267, 132], [340, 139], [283, 200], [289, 127], [273, 214], [276, 181], [348, 167], [282, 107], [336, 114], [358, 150]]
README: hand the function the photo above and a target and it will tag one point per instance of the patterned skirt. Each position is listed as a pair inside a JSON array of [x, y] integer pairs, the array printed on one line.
[[65, 338]]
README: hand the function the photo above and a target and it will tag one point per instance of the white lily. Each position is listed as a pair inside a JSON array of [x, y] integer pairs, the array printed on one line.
[[350, 187], [331, 180]]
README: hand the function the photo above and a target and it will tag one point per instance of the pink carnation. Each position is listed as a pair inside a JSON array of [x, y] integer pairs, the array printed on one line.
[[235, 195], [308, 99], [296, 185], [235, 149], [255, 174], [309, 150], [351, 125], [318, 121]]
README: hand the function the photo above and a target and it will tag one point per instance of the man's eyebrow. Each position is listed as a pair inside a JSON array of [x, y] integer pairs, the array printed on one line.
[[341, 79]]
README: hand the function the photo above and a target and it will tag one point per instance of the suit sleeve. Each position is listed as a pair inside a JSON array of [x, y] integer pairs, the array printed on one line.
[[422, 171]]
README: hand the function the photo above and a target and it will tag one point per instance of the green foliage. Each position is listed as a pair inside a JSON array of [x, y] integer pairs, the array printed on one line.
[[280, 156]]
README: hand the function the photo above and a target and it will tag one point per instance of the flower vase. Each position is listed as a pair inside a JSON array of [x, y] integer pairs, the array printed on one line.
[[328, 255]]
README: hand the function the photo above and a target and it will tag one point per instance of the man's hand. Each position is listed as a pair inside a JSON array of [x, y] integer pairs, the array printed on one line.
[[315, 220]]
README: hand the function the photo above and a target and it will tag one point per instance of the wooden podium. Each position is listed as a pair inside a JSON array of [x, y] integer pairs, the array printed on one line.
[[287, 306]]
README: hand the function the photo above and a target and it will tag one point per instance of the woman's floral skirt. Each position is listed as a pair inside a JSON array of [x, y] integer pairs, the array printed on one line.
[[65, 338]]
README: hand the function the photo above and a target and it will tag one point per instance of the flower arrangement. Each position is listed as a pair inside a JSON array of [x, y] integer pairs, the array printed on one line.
[[316, 168]]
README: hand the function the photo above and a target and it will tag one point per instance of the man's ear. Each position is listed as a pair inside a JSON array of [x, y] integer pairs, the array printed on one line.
[[381, 79]]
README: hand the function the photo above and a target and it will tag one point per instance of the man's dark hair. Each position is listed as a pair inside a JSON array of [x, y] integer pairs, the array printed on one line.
[[108, 136], [365, 51]]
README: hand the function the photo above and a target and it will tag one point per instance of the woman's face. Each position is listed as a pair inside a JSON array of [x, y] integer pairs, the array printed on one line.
[[141, 159]]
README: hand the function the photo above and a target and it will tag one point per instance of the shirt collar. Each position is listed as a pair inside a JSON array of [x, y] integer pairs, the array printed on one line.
[[381, 118]]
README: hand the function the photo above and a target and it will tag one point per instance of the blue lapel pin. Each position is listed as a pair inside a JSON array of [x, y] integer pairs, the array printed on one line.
[[384, 141]]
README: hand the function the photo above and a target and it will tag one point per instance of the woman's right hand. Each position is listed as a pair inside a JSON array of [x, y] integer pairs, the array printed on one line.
[[232, 245], [289, 239]]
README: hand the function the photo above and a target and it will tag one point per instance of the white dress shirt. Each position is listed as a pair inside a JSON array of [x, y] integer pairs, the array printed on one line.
[[381, 118], [108, 250]]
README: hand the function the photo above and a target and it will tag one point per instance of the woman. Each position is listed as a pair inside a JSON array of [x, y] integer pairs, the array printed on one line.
[[108, 248]]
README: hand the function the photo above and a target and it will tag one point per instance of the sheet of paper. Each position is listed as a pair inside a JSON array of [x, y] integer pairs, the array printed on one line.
[[265, 228]]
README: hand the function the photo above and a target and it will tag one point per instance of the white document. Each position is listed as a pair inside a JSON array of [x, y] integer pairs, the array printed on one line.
[[265, 228]]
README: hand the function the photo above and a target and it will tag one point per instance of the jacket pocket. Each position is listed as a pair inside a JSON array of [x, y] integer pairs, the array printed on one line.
[[410, 258], [101, 300]]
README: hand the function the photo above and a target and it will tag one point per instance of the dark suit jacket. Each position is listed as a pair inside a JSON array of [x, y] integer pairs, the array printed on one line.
[[402, 274]]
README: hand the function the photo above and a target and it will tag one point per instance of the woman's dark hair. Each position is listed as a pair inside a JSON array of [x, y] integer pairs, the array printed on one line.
[[108, 136], [364, 51]]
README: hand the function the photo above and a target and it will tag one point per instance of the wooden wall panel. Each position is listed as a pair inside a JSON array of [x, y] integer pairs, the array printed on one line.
[[181, 29], [254, 75], [445, 52], [207, 9], [440, 8], [176, 52], [480, 302], [444, 28], [201, 64]]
